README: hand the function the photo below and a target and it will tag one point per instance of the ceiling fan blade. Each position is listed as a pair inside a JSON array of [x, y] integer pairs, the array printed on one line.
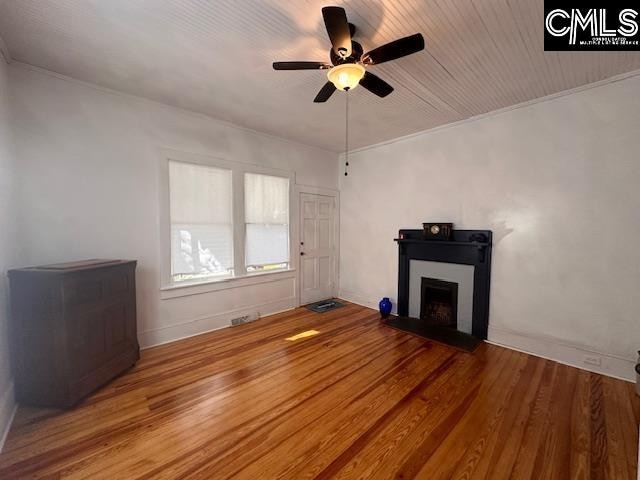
[[376, 85], [325, 92], [335, 19], [300, 66], [396, 49]]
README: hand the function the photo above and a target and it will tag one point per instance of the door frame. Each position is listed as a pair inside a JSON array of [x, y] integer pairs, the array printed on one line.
[[295, 235]]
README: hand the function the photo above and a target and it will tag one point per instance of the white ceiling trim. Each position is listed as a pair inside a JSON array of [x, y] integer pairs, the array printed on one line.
[[564, 93]]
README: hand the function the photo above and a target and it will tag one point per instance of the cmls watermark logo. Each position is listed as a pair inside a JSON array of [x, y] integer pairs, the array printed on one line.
[[584, 25]]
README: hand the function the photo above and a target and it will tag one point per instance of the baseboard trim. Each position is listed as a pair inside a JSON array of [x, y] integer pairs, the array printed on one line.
[[538, 345], [210, 323], [362, 299], [8, 408], [563, 352]]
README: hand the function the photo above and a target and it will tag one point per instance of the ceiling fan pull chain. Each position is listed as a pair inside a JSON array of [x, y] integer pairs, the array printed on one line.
[[346, 136]]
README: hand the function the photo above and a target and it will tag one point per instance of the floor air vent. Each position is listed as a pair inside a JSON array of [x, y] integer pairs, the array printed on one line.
[[244, 319], [324, 306]]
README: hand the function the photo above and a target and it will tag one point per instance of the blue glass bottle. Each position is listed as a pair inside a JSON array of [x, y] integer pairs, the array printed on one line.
[[385, 307]]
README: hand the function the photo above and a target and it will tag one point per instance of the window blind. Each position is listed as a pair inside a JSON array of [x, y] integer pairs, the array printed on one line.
[[201, 221], [266, 221]]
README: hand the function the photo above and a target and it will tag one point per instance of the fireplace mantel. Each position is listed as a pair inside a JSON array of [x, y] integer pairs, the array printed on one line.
[[467, 247]]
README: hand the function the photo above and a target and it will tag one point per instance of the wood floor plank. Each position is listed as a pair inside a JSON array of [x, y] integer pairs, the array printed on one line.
[[348, 417], [599, 449], [554, 457], [406, 440], [356, 400], [580, 430], [225, 410], [294, 417], [618, 428], [486, 414], [502, 444]]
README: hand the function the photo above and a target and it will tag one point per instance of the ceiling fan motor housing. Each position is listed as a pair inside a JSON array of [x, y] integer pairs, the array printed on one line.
[[356, 53]]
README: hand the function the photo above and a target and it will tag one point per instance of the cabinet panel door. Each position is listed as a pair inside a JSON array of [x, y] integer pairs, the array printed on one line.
[[86, 332]]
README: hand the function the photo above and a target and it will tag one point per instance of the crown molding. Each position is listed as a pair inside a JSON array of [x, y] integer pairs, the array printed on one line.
[[493, 113]]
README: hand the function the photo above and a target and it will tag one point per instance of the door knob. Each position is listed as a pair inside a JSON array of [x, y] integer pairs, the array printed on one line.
[[301, 253]]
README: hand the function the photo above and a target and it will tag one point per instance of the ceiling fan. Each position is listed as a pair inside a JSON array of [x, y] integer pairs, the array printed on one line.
[[348, 62]]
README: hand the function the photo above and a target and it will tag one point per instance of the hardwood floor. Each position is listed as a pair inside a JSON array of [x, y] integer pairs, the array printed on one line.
[[356, 400]]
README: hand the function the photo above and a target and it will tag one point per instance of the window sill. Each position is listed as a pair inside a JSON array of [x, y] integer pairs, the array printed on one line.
[[213, 285]]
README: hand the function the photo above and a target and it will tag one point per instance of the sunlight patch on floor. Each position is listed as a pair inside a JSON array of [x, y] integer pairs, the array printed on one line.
[[298, 336]]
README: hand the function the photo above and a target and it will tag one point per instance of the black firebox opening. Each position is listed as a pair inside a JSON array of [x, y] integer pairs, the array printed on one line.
[[439, 303]]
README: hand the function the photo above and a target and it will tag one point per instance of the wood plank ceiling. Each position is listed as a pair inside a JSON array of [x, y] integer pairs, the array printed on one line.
[[214, 57]]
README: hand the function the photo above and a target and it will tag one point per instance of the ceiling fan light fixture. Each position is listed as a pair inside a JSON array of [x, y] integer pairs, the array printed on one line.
[[346, 76], [351, 57]]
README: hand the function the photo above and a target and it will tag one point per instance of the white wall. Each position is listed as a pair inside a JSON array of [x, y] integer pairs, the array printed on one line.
[[7, 247], [558, 182], [88, 186]]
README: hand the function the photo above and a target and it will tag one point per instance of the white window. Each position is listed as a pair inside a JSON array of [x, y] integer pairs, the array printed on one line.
[[222, 220], [201, 222], [266, 208]]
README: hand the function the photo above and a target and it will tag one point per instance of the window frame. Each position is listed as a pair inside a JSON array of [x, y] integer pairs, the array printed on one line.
[[238, 170]]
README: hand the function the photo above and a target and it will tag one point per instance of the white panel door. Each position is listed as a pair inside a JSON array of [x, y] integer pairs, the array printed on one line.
[[317, 247]]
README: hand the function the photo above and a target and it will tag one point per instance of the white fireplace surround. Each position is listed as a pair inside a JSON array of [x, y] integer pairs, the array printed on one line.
[[449, 272]]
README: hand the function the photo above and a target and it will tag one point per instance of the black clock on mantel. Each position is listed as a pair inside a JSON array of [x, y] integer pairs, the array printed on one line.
[[437, 231]]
